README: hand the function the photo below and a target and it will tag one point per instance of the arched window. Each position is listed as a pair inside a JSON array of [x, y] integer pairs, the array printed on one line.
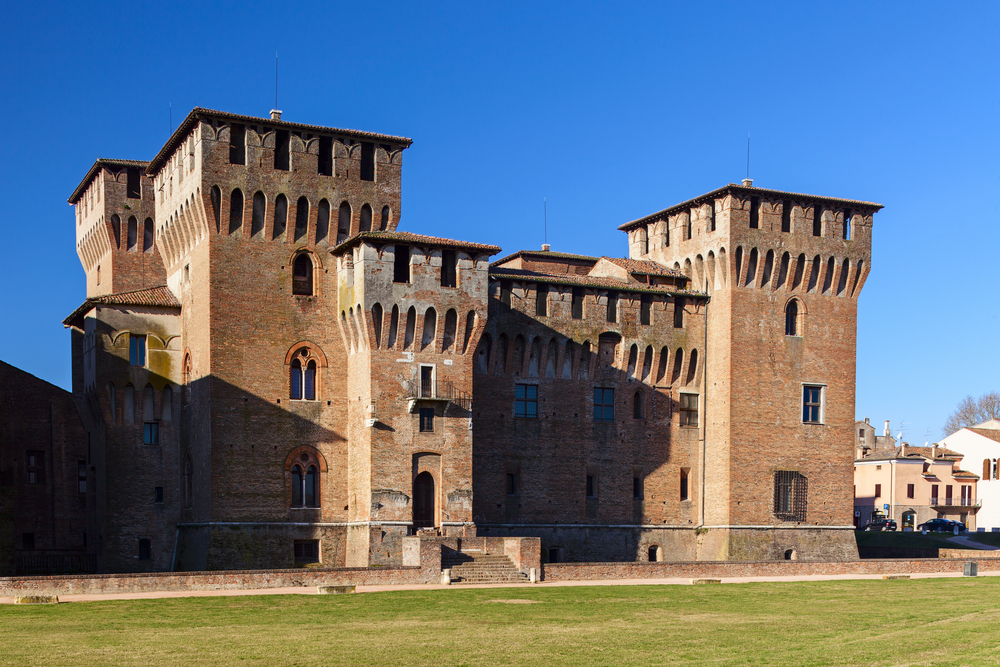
[[483, 355], [132, 236], [280, 217], [792, 318], [186, 379], [343, 222], [305, 467], [638, 405], [323, 221], [302, 275], [216, 198], [295, 382], [377, 322], [257, 213], [116, 227], [147, 235], [692, 367], [366, 219], [302, 374], [235, 211], [297, 484], [301, 218], [386, 213]]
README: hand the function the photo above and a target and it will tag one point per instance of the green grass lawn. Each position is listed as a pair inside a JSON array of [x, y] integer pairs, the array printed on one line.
[[992, 539], [917, 622]]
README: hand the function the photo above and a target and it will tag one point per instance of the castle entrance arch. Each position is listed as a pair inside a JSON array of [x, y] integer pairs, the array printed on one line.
[[423, 500]]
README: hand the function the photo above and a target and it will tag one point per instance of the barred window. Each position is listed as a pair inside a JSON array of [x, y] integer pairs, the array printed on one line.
[[526, 401], [790, 491], [689, 409], [306, 551]]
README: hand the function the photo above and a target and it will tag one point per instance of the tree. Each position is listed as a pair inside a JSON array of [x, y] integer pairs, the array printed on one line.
[[972, 411]]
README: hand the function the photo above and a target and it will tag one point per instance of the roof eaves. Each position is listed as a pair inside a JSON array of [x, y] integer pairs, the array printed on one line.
[[546, 254], [499, 272], [95, 168], [414, 239]]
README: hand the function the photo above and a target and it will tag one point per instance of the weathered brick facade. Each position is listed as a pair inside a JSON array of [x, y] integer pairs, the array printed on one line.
[[318, 385]]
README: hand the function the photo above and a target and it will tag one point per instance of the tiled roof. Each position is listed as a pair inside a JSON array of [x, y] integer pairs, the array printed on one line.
[[198, 113], [964, 473], [913, 453], [733, 188], [75, 197], [416, 239], [990, 433], [645, 267], [545, 254], [588, 281], [155, 297]]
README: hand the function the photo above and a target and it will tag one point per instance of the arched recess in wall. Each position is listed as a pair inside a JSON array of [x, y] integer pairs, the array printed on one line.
[[361, 328], [470, 327], [550, 358], [689, 272], [116, 227], [302, 274], [377, 323], [692, 367], [567, 365], [633, 357], [699, 269], [301, 219], [215, 198], [132, 236], [642, 240], [187, 375], [831, 266], [346, 329], [257, 212], [583, 372], [393, 326], [365, 224], [751, 276], [483, 354], [782, 271], [502, 349], [647, 363], [323, 221], [535, 357], [386, 215], [235, 211], [857, 277], [662, 364], [411, 327], [343, 222], [518, 359], [430, 329], [845, 272], [710, 268], [638, 405], [738, 268], [765, 279], [678, 364], [450, 330], [280, 216], [147, 235], [813, 274]]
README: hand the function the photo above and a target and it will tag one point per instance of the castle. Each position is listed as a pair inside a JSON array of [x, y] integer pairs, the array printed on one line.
[[270, 372]]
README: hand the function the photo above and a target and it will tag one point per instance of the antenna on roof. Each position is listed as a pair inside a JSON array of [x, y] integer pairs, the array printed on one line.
[[275, 79], [171, 116], [748, 155], [545, 214]]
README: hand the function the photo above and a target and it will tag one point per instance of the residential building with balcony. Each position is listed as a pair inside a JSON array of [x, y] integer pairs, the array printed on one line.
[[980, 445]]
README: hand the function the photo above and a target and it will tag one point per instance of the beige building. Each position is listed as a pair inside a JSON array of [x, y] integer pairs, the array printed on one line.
[[912, 485]]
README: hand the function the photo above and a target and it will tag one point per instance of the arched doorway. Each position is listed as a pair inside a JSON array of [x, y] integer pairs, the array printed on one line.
[[423, 501], [909, 519]]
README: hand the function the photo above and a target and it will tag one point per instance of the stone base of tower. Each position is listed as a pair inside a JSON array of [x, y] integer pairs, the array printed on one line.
[[768, 544], [258, 546]]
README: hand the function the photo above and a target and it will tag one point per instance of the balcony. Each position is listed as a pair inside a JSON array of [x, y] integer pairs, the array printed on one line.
[[955, 502], [428, 391]]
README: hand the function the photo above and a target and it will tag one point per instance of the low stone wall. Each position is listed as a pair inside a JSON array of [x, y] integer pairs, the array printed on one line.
[[968, 554], [722, 569]]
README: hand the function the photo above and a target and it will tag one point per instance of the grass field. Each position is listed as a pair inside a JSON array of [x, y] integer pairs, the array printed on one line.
[[917, 622]]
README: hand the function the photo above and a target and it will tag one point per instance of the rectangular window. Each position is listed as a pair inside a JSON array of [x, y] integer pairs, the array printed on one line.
[[878, 490], [604, 404], [426, 420], [684, 483], [133, 186], [817, 220], [150, 433], [136, 350], [591, 486], [427, 382], [306, 551], [934, 494], [637, 490], [786, 216], [526, 401], [645, 309], [947, 494], [511, 484], [237, 144], [812, 404], [577, 303], [754, 212], [790, 492], [158, 494], [689, 409], [861, 433], [848, 219], [612, 307], [711, 220], [325, 163], [679, 303], [542, 301], [367, 161], [81, 476], [35, 467], [449, 266], [909, 490], [401, 264], [505, 296], [281, 149]]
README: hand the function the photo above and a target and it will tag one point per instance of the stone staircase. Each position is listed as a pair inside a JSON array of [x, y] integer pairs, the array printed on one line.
[[476, 567]]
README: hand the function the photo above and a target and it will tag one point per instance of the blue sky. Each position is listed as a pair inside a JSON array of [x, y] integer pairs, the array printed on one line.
[[609, 113]]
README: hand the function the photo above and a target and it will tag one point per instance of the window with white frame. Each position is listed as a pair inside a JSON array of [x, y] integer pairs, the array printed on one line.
[[813, 403]]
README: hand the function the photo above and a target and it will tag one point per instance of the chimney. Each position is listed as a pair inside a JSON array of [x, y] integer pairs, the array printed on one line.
[[886, 432], [275, 114], [545, 247], [748, 182], [934, 451]]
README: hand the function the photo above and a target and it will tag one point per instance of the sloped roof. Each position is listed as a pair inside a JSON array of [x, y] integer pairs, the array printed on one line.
[[153, 297], [101, 162], [914, 453], [500, 272], [645, 267], [964, 473], [990, 433], [416, 239], [545, 254]]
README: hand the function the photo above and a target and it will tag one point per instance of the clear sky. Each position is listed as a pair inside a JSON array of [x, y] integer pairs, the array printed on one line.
[[609, 113]]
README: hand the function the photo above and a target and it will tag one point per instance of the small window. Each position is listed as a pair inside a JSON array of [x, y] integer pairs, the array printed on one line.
[[505, 296], [449, 268], [591, 486], [679, 304], [604, 404], [612, 307], [577, 303], [689, 409], [512, 485], [302, 275], [145, 550], [237, 144], [848, 220], [786, 216], [136, 350], [711, 219], [554, 555], [817, 220], [367, 161], [638, 405], [878, 490], [306, 551], [909, 490], [637, 489], [81, 476], [281, 149], [35, 465], [526, 401], [158, 495], [542, 301], [401, 264], [150, 433], [685, 473], [792, 319], [133, 187], [754, 212], [645, 309], [324, 165], [426, 420], [812, 404]]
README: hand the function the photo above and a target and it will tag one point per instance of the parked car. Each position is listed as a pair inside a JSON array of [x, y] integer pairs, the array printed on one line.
[[880, 524], [941, 526]]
